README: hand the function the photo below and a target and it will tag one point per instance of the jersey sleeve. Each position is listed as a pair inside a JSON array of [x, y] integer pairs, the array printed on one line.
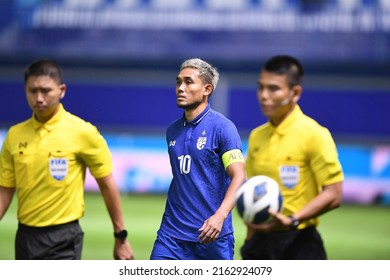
[[95, 152], [7, 172], [229, 138], [324, 159]]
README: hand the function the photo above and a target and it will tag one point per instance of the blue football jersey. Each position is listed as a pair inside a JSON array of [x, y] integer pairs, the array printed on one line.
[[200, 180]]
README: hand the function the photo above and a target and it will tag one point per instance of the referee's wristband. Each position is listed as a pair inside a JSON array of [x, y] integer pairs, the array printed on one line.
[[122, 235], [294, 223]]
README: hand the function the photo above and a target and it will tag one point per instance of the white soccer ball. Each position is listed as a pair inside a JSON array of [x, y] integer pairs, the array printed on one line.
[[256, 196]]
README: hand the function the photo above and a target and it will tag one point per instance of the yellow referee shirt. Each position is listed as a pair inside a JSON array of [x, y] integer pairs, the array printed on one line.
[[47, 164], [299, 154]]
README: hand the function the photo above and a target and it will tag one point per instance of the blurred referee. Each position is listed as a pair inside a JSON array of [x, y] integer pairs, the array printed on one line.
[[301, 156], [44, 160]]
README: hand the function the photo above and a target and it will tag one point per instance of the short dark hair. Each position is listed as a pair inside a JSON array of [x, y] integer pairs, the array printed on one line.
[[286, 65], [44, 67]]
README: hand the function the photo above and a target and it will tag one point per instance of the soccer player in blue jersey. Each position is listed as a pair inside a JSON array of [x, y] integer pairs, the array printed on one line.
[[208, 166]]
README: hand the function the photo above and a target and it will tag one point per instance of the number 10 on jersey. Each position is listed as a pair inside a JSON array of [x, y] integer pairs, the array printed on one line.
[[185, 164]]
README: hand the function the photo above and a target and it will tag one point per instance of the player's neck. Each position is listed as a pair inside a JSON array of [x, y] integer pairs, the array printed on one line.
[[191, 113]]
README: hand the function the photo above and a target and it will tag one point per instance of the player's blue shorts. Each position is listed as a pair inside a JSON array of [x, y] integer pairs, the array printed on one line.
[[170, 248]]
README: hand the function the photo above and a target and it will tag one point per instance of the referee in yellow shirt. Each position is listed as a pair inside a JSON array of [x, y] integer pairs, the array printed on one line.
[[301, 156], [44, 160]]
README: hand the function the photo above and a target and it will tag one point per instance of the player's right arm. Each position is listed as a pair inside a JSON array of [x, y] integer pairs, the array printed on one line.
[[6, 195]]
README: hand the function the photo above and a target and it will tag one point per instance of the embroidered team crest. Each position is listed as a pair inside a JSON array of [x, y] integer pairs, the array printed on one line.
[[289, 175], [201, 141], [58, 168]]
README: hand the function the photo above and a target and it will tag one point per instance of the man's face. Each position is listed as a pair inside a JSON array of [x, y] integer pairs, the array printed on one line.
[[275, 95], [43, 96], [190, 89]]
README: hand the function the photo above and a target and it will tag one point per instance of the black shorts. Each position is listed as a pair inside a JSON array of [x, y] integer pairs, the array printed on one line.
[[303, 244], [59, 242]]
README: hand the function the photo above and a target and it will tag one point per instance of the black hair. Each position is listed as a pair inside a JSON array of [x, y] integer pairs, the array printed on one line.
[[44, 67], [286, 65]]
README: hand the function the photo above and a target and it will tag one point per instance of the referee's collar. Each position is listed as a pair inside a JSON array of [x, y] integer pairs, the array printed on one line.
[[286, 123], [49, 125], [199, 118]]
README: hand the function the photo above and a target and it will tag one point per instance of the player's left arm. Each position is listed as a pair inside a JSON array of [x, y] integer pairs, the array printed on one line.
[[111, 196], [235, 168]]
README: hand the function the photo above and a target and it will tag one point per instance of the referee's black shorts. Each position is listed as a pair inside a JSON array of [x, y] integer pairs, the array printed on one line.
[[59, 242], [305, 244]]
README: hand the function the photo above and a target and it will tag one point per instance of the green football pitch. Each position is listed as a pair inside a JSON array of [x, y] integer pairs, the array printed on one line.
[[351, 232]]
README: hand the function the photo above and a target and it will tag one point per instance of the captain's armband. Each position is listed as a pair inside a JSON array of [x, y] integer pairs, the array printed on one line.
[[232, 156]]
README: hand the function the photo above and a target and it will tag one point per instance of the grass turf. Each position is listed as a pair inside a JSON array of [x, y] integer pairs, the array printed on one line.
[[352, 232]]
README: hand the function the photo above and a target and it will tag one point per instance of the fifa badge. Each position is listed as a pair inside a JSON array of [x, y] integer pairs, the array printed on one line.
[[58, 168], [289, 175]]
